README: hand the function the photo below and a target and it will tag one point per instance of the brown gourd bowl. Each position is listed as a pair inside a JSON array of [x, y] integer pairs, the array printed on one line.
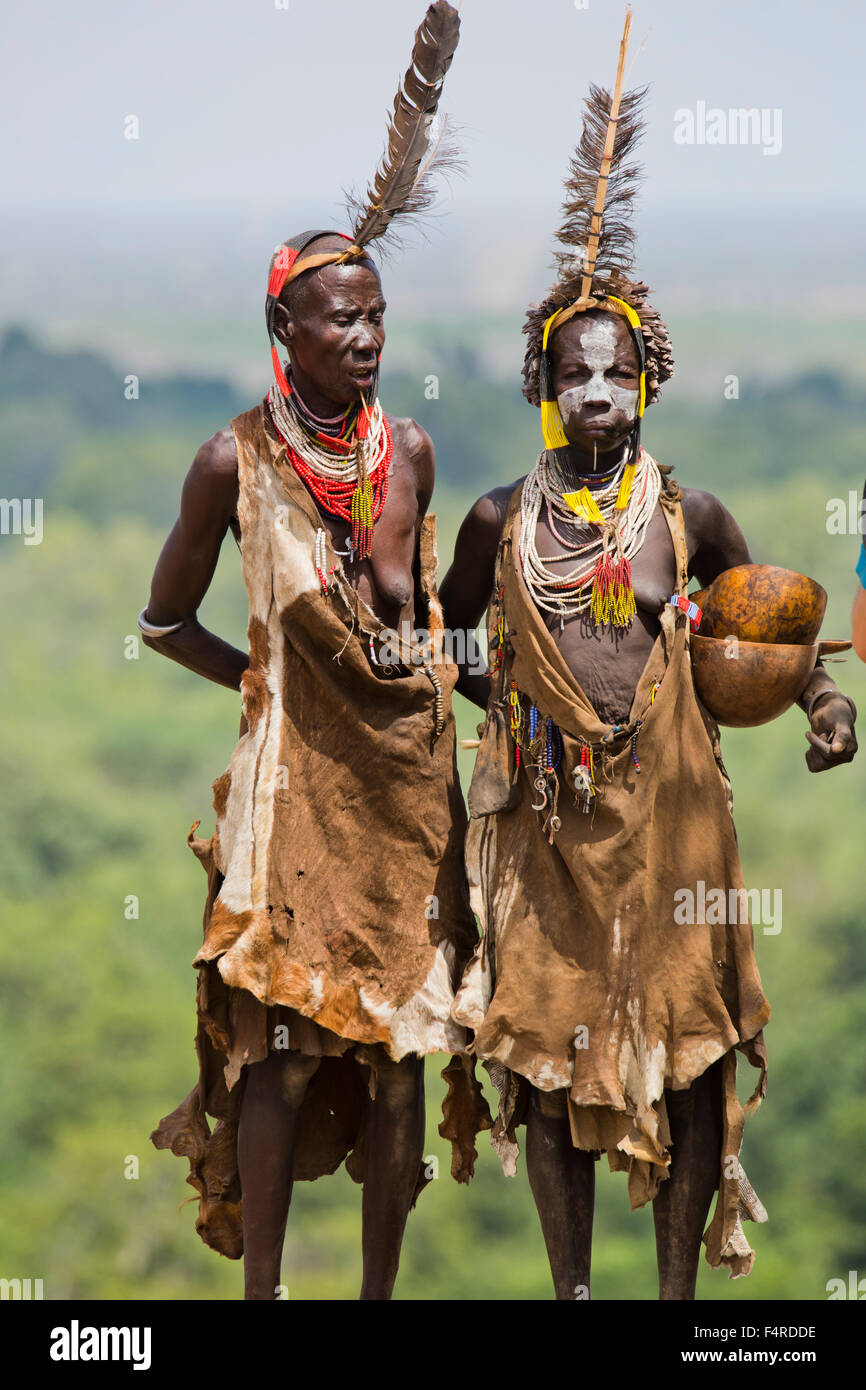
[[762, 603], [775, 615], [754, 685]]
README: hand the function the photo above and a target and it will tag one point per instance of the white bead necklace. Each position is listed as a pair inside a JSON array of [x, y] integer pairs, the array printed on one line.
[[325, 462], [571, 593]]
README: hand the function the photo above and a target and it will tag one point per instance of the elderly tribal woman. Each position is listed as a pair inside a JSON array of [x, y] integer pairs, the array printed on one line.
[[337, 920]]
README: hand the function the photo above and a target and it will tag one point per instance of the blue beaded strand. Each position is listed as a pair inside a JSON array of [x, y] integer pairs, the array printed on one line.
[[551, 765]]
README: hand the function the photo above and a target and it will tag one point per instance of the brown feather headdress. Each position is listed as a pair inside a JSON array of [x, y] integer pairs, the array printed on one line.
[[599, 239], [403, 185], [416, 150], [596, 240]]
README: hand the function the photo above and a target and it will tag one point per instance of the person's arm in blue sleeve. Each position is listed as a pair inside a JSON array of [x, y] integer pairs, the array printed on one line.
[[858, 613]]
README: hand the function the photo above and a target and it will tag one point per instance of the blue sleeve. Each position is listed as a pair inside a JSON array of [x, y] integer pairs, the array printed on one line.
[[861, 566]]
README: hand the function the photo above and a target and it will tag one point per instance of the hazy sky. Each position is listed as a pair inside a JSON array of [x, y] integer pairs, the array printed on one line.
[[253, 118], [239, 100]]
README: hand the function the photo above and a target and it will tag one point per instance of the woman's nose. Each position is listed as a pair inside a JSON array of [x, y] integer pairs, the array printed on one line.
[[365, 340], [597, 391]]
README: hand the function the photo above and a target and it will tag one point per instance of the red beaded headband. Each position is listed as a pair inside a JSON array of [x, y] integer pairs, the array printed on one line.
[[288, 264]]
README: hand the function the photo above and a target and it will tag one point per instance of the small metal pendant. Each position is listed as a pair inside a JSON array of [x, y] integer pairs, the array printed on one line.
[[584, 790]]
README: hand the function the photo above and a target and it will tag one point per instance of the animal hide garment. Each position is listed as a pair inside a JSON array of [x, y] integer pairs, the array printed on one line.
[[584, 983], [337, 917]]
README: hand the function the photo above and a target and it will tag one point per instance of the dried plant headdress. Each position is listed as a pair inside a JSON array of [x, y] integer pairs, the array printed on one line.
[[403, 186], [597, 240]]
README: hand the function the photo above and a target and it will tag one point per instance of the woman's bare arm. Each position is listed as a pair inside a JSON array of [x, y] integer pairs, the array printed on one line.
[[186, 566]]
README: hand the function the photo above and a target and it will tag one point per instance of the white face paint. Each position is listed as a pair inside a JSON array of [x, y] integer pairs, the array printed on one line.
[[598, 341]]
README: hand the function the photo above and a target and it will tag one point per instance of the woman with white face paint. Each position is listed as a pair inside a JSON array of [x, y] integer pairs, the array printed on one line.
[[608, 1023], [596, 386], [587, 504]]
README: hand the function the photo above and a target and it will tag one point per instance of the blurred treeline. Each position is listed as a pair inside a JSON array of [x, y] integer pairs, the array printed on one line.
[[107, 756]]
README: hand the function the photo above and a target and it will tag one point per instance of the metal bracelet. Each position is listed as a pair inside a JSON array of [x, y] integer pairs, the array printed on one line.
[[148, 629]]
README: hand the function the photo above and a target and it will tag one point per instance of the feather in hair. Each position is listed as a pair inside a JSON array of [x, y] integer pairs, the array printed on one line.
[[415, 149], [596, 231]]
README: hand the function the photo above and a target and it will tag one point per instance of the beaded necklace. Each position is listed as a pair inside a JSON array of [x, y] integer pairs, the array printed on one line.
[[347, 474], [605, 528]]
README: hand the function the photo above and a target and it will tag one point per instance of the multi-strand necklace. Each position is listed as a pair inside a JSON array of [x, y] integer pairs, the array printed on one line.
[[347, 471], [600, 528]]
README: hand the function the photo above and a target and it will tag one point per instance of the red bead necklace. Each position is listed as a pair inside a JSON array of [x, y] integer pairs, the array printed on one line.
[[335, 496]]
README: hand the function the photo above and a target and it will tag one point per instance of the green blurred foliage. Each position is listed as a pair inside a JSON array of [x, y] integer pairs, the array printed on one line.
[[108, 757]]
